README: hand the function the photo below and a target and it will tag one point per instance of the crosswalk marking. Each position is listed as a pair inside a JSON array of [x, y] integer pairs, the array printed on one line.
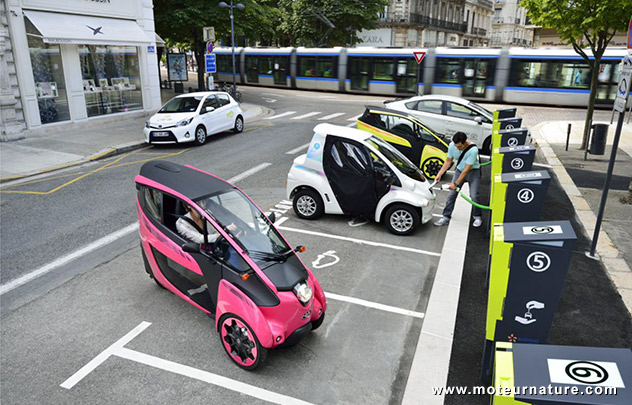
[[328, 117], [281, 115], [306, 115], [354, 118]]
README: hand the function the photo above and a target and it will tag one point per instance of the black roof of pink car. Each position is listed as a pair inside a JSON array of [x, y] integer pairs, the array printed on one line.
[[185, 180]]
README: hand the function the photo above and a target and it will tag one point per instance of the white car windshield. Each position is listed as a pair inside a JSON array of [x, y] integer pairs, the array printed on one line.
[[400, 161], [181, 105], [245, 223], [478, 108]]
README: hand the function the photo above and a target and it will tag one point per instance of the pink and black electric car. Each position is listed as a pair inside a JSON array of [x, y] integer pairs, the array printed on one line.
[[244, 274]]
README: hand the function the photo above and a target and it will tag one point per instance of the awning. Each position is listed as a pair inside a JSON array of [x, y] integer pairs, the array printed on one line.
[[159, 41], [59, 28]]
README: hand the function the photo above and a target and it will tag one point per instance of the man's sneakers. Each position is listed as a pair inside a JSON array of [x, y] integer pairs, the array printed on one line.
[[442, 221], [478, 221]]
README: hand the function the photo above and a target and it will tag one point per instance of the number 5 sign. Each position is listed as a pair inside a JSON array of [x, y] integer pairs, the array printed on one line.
[[538, 262]]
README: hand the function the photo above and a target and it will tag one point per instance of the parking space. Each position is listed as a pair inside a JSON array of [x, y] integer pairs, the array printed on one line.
[[377, 285]]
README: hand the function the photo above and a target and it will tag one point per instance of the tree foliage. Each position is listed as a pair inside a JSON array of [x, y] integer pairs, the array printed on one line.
[[304, 25], [583, 24]]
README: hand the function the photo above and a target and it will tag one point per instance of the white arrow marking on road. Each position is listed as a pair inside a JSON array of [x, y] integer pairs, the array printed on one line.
[[330, 253], [328, 117], [269, 100], [285, 114], [306, 115]]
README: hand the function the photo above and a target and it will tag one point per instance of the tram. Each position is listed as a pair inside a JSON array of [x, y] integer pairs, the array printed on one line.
[[515, 75]]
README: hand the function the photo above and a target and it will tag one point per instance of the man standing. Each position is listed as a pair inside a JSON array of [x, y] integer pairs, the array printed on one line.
[[467, 170]]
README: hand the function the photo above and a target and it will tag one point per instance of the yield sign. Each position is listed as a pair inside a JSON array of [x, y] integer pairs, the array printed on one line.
[[419, 56]]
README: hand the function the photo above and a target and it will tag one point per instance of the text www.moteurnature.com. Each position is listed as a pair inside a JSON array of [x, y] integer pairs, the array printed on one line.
[[506, 391]]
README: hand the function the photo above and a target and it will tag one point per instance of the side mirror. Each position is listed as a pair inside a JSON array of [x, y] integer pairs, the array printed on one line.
[[272, 217], [478, 120], [209, 109], [191, 247]]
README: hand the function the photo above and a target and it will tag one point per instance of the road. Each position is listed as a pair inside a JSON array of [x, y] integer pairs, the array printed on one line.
[[378, 284]]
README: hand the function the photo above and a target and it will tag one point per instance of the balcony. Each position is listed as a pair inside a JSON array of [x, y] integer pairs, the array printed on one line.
[[498, 20], [419, 20], [499, 3], [481, 32], [486, 3]]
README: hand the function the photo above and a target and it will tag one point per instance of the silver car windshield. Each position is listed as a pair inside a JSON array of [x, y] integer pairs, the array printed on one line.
[[244, 222], [181, 105], [400, 161]]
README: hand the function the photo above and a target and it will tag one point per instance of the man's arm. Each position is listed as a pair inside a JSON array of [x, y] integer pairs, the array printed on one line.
[[444, 168]]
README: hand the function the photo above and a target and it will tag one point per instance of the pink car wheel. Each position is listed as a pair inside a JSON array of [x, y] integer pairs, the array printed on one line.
[[240, 342]]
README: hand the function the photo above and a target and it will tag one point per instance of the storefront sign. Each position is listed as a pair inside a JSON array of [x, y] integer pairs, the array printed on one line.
[[105, 8], [378, 37]]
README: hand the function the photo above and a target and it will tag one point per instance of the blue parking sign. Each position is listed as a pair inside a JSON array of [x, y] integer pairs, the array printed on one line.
[[210, 63]]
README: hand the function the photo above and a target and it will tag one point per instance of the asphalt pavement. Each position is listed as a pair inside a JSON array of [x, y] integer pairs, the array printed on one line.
[[592, 310]]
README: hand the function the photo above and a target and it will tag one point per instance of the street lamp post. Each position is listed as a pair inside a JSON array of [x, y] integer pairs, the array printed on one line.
[[232, 36]]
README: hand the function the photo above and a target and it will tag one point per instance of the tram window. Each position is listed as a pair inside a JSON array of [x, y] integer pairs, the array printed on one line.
[[383, 69], [551, 74], [225, 63], [431, 106], [265, 65], [448, 70], [325, 67], [458, 111], [308, 66]]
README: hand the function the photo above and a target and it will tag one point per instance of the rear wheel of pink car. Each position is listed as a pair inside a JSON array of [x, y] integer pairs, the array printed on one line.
[[240, 342]]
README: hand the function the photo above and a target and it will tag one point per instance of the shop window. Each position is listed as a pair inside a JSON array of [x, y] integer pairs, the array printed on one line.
[[48, 73], [111, 79]]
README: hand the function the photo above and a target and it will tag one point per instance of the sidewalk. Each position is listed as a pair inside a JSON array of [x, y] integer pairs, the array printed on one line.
[[583, 181], [69, 145]]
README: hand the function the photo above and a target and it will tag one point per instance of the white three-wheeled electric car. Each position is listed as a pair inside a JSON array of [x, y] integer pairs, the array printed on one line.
[[352, 172]]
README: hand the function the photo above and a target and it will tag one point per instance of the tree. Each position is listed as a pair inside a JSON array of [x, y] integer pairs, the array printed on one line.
[[309, 22], [583, 23], [182, 21]]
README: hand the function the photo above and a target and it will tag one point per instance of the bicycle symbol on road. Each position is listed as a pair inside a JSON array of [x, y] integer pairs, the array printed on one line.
[[538, 262]]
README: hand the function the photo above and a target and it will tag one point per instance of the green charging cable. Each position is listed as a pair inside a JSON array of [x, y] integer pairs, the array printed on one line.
[[466, 198], [489, 162]]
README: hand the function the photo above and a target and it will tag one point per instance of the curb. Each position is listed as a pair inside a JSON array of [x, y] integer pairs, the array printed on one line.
[[617, 269], [431, 361]]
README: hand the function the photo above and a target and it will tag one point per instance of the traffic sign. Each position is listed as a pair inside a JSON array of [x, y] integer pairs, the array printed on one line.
[[623, 87], [209, 47], [419, 56], [210, 63]]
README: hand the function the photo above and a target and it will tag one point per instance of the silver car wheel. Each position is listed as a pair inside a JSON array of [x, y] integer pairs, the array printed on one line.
[[200, 135], [306, 205], [401, 220]]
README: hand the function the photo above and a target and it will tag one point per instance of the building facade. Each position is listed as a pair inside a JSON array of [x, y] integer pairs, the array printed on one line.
[[510, 25], [418, 23], [478, 19], [73, 61]]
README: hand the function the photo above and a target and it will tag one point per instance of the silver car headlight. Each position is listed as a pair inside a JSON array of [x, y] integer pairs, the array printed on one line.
[[184, 122], [303, 292]]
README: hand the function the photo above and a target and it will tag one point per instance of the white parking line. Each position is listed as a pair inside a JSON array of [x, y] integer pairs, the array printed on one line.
[[374, 305], [13, 284], [354, 118], [103, 356], [328, 117], [280, 115], [350, 125], [118, 349], [249, 172], [296, 150], [311, 114], [207, 377], [360, 241]]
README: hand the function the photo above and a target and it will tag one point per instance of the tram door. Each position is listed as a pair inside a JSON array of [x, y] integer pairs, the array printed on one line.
[[280, 69], [475, 77], [406, 75], [359, 73], [252, 69], [607, 83]]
